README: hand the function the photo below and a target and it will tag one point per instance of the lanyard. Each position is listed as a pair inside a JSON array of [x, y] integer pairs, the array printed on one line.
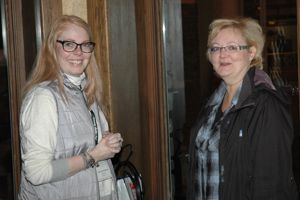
[[95, 126]]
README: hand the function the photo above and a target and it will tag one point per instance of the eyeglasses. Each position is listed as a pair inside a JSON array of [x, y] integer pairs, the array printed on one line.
[[229, 48], [69, 46]]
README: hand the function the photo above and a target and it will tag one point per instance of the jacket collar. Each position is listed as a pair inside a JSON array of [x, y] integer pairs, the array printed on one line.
[[247, 88], [256, 80]]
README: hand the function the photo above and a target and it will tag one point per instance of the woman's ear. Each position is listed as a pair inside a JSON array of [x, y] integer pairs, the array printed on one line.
[[252, 52]]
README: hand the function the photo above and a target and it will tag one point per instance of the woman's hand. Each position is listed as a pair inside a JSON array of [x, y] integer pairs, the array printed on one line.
[[109, 145]]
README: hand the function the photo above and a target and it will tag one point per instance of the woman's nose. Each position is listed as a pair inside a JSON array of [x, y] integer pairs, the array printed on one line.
[[77, 51], [223, 52]]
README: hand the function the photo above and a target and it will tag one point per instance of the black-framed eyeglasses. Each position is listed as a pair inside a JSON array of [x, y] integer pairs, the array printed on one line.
[[70, 46], [230, 48]]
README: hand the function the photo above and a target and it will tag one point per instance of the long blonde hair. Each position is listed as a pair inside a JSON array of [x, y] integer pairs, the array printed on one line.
[[46, 67], [250, 30]]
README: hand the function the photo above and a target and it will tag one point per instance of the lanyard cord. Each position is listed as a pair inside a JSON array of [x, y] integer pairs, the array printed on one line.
[[92, 116], [95, 126]]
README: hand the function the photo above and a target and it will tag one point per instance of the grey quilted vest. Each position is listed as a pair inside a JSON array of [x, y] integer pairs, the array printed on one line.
[[75, 135]]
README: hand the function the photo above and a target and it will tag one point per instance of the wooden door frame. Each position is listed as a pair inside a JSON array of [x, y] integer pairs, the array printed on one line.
[[152, 98], [15, 53], [16, 78]]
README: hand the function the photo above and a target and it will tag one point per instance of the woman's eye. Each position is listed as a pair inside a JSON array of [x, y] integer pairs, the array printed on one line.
[[214, 49], [70, 44], [232, 48], [88, 44]]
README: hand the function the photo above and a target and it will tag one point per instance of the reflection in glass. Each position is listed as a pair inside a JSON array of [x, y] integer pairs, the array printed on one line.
[[174, 76], [31, 31]]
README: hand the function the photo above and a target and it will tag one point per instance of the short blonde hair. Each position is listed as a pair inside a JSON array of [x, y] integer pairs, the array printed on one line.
[[250, 30]]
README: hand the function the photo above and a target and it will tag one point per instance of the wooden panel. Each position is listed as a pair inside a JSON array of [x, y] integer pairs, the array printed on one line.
[[125, 103], [17, 70], [228, 8], [50, 10], [113, 24], [16, 77], [97, 18], [152, 92]]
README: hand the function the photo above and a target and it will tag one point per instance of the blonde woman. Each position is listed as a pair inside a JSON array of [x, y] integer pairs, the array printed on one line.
[[66, 145], [240, 147]]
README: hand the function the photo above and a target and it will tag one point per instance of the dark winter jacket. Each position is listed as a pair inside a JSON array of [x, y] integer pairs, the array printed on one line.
[[255, 149]]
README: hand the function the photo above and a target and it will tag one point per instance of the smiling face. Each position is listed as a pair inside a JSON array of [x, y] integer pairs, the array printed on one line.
[[72, 63], [231, 66]]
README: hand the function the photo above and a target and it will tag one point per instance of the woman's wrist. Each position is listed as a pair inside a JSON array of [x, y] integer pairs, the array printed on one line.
[[89, 160]]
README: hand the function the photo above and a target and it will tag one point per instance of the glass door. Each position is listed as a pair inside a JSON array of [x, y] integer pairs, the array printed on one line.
[[175, 94]]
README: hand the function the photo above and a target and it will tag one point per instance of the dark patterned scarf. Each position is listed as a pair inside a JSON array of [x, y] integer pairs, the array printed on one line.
[[207, 147]]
